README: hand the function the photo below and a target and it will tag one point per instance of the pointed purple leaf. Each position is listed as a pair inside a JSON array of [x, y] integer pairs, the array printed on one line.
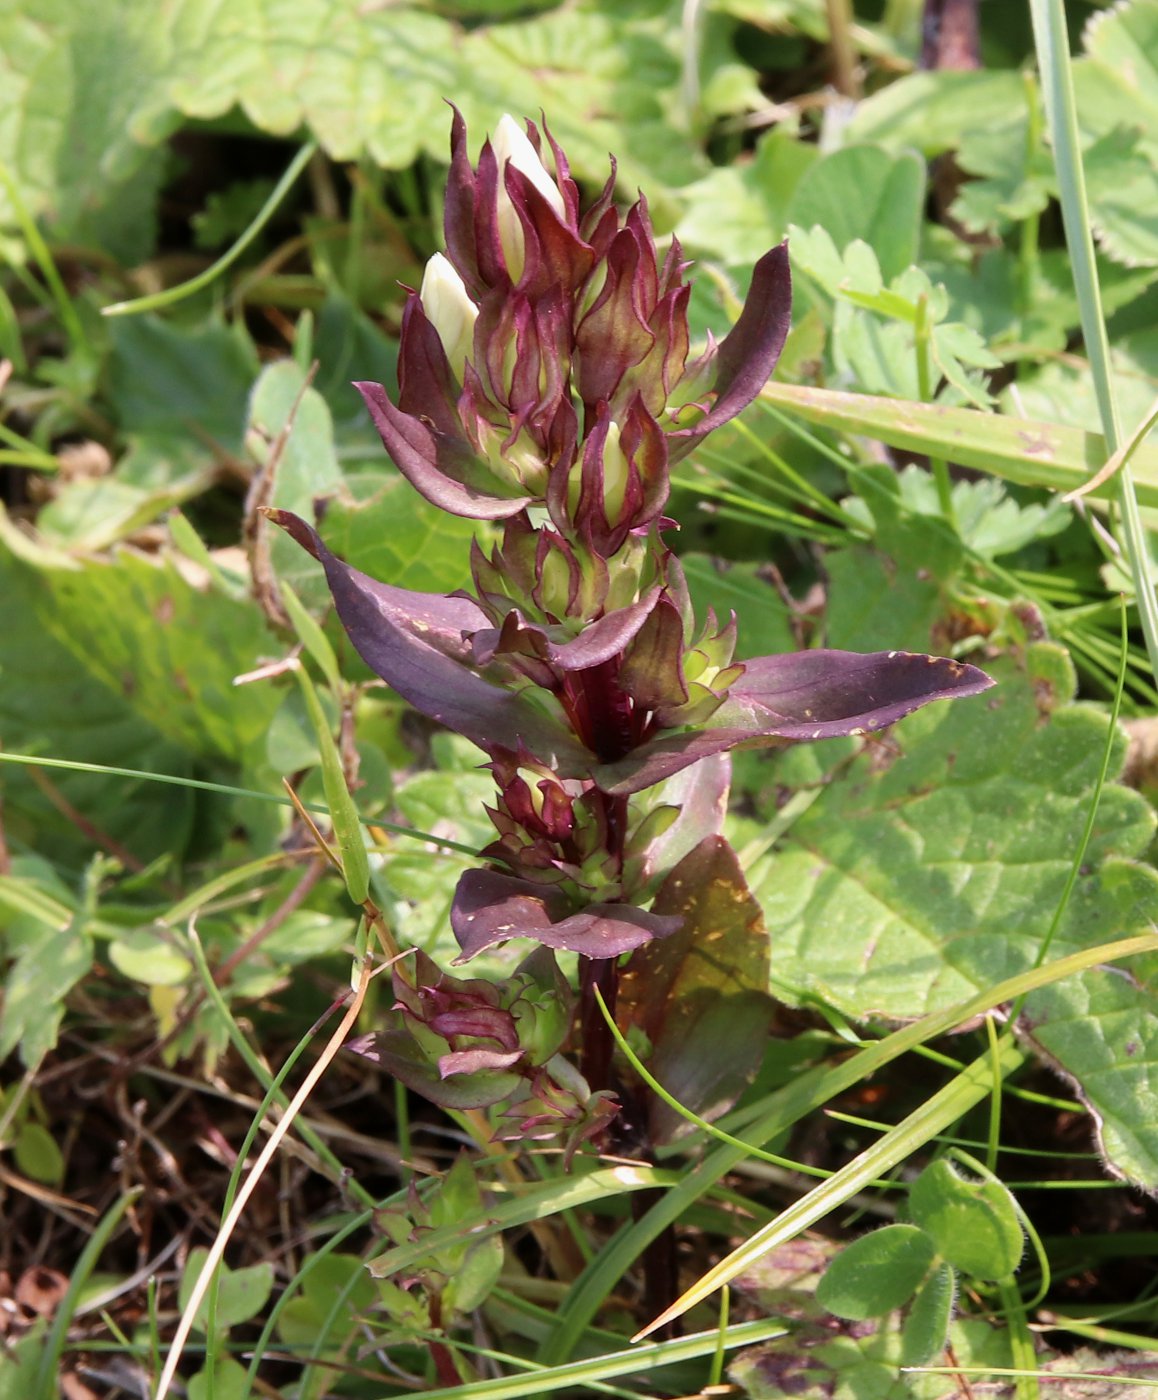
[[490, 907], [801, 695], [821, 694], [434, 463], [599, 641], [748, 354], [409, 639]]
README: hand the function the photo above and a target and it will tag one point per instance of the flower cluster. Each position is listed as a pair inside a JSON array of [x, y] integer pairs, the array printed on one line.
[[546, 382]]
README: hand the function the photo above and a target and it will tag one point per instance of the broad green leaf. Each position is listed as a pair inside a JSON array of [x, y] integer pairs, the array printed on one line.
[[1026, 451], [737, 212], [974, 1224], [700, 994], [1120, 185], [136, 625], [1063, 393], [61, 710], [876, 1273], [300, 1321], [397, 537], [934, 868], [932, 112], [241, 1293], [167, 381], [89, 88], [866, 193]]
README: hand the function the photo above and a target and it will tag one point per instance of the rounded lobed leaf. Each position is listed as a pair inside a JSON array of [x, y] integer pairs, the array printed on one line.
[[877, 1273]]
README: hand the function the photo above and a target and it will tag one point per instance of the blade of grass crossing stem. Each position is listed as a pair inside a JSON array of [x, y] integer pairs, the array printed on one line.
[[229, 1224], [633, 1361], [1051, 40], [710, 1129], [312, 1261], [1024, 451], [45, 1385], [225, 790], [343, 813], [809, 1091], [156, 300], [1121, 458], [65, 309], [936, 1114], [273, 1093], [312, 638], [534, 1201], [237, 1039]]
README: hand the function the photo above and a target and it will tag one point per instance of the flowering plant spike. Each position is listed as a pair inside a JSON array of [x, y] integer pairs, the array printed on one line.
[[546, 383]]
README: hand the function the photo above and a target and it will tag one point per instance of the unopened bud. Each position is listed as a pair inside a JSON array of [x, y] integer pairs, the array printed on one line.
[[510, 143], [615, 473], [449, 310]]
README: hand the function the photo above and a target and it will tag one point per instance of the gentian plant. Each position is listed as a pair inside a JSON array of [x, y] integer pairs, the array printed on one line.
[[546, 382]]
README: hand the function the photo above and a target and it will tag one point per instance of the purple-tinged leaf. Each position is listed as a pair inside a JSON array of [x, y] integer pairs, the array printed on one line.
[[748, 354], [409, 640], [490, 907], [472, 1061], [700, 793], [701, 995], [652, 672], [821, 694], [599, 641], [614, 334], [426, 387], [554, 255], [799, 696], [397, 1053], [437, 465]]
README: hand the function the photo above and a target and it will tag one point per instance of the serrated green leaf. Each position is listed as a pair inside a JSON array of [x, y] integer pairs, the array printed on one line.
[[136, 625], [1116, 83], [877, 1273], [1123, 194], [974, 1224], [89, 88], [737, 212], [935, 870], [865, 193]]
